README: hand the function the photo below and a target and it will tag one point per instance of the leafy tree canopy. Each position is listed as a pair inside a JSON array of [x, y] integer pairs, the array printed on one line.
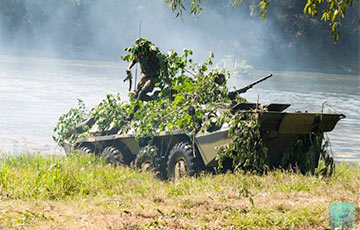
[[330, 11]]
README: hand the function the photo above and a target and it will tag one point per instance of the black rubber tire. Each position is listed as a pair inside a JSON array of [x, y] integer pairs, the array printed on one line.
[[146, 155], [182, 153], [86, 150], [112, 155]]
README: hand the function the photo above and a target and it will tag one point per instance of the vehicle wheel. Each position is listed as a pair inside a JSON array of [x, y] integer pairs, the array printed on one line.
[[112, 155], [145, 159], [181, 161], [86, 150]]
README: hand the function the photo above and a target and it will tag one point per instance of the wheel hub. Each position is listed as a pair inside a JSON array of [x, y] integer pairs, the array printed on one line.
[[146, 166], [180, 169]]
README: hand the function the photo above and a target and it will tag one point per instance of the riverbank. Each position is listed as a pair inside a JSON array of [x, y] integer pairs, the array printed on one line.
[[48, 192]]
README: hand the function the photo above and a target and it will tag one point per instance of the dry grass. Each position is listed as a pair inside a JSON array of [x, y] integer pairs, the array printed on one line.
[[88, 194]]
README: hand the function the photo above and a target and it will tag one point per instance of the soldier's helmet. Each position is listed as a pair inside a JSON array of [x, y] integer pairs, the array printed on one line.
[[142, 44]]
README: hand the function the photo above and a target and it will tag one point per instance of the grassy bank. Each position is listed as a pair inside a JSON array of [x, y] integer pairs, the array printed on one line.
[[39, 192]]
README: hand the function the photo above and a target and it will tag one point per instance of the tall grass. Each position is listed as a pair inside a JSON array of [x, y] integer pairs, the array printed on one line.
[[34, 176], [240, 200]]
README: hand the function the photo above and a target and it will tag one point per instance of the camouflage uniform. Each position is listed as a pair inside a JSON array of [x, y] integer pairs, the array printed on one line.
[[151, 62], [150, 71]]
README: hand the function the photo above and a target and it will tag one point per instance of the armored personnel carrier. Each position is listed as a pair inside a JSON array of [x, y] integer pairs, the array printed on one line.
[[178, 153]]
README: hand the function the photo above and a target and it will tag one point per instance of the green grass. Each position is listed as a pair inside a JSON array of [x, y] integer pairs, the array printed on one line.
[[57, 178], [52, 192]]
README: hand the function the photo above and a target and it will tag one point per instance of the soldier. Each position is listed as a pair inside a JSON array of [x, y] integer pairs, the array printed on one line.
[[153, 66]]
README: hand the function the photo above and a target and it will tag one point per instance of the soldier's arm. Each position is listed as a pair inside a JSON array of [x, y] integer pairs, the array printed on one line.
[[132, 63]]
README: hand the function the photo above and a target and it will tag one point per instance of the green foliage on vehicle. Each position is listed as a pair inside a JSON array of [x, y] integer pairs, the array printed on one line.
[[195, 104], [170, 109], [247, 150], [67, 123]]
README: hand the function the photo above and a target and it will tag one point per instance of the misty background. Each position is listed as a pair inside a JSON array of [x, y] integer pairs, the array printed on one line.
[[100, 30]]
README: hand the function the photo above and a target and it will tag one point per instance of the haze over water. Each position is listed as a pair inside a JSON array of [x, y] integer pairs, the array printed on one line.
[[34, 92]]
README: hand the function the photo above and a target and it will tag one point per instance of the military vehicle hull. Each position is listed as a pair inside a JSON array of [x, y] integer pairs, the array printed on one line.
[[172, 154]]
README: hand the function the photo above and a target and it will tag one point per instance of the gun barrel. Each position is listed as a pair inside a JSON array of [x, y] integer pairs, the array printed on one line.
[[244, 89], [258, 81]]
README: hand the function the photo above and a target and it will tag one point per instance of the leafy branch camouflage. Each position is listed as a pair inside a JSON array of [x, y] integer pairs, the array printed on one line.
[[67, 123], [196, 100], [247, 150]]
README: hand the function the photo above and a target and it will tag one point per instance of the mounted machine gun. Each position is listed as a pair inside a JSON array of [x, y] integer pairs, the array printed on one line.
[[233, 94]]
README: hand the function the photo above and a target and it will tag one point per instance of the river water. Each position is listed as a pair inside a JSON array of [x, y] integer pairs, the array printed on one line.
[[34, 92]]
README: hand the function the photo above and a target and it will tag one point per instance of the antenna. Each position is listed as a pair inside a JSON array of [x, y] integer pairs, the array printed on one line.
[[137, 65]]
